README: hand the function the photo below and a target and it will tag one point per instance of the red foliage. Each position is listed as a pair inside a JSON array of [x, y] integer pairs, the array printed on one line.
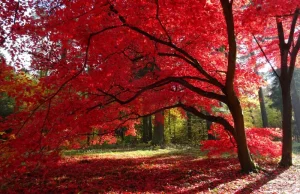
[[261, 141], [173, 174], [106, 63]]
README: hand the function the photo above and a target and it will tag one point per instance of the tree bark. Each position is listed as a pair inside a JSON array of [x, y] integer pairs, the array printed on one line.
[[158, 133], [286, 157], [233, 102], [263, 110], [150, 128], [247, 165], [189, 125], [288, 55], [145, 130], [209, 136]]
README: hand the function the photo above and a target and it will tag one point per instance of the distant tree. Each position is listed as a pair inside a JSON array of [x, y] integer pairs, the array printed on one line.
[[275, 95], [159, 129]]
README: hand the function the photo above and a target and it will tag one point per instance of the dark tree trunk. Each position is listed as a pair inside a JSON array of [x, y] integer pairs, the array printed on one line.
[[263, 110], [88, 140], [189, 125], [169, 123], [145, 130], [288, 55], [233, 102], [209, 136], [247, 165], [286, 158], [296, 108], [158, 133], [150, 128]]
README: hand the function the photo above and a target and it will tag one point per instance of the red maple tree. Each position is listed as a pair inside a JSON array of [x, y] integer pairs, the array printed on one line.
[[106, 63]]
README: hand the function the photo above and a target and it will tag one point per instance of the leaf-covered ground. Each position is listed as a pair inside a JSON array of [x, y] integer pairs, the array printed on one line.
[[162, 171]]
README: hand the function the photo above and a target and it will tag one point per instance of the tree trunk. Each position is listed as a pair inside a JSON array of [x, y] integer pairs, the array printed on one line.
[[263, 110], [288, 55], [286, 157], [88, 140], [296, 108], [233, 103], [247, 165], [169, 123], [189, 125], [158, 133], [209, 136], [145, 130], [149, 128]]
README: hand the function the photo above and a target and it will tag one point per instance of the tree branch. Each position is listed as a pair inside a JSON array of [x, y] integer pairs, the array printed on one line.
[[180, 80], [157, 17], [261, 49], [227, 12], [293, 26], [166, 43]]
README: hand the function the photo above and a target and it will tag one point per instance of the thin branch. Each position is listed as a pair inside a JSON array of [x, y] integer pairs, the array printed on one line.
[[261, 49], [166, 43], [293, 26], [180, 80], [68, 80], [210, 79], [216, 119], [293, 59], [157, 17]]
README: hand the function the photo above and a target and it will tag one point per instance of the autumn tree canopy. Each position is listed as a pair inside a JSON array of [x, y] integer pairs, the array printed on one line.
[[103, 64]]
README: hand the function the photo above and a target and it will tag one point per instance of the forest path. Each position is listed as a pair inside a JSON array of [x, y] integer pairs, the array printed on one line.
[[288, 182]]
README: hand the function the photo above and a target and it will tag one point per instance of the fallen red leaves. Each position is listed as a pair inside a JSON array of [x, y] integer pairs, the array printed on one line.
[[165, 173]]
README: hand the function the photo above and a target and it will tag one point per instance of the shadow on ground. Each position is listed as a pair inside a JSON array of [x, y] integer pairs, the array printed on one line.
[[170, 173]]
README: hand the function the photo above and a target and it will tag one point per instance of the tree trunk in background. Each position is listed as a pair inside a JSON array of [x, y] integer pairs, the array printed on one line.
[[150, 128], [189, 125], [145, 130], [158, 133], [296, 108], [169, 123], [88, 140], [208, 125], [263, 110]]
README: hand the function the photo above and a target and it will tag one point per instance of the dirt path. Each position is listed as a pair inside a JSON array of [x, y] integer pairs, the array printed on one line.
[[287, 182]]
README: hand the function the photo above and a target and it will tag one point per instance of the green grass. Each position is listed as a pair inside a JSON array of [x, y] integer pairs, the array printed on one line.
[[134, 153], [123, 152]]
